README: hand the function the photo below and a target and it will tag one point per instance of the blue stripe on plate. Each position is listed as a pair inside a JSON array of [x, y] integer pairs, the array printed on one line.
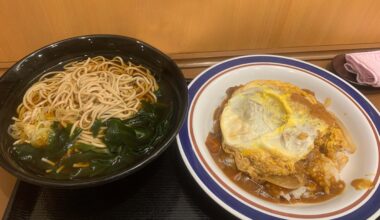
[[367, 210]]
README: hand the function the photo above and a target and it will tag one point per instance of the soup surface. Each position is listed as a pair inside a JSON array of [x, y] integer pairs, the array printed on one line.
[[93, 117]]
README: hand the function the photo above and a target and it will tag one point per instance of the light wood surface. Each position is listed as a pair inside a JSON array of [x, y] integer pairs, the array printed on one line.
[[374, 98], [192, 26], [7, 182]]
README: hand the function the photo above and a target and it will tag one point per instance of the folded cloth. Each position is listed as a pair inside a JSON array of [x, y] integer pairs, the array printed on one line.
[[366, 66]]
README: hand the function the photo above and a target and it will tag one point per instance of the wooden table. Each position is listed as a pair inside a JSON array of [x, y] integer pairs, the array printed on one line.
[[7, 181]]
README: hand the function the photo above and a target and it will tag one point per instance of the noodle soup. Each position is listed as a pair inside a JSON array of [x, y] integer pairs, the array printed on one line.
[[93, 117]]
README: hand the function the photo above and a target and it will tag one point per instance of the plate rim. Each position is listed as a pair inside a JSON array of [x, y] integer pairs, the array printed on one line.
[[190, 167]]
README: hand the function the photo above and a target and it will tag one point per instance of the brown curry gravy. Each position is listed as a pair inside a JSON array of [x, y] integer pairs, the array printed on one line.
[[362, 184], [264, 190]]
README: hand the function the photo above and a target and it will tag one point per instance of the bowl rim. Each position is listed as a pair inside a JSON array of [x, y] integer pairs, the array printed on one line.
[[95, 181]]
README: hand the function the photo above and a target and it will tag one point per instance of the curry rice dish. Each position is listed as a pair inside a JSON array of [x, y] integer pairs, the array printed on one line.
[[279, 143]]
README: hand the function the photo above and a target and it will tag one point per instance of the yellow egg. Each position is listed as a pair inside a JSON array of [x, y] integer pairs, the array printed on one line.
[[262, 120]]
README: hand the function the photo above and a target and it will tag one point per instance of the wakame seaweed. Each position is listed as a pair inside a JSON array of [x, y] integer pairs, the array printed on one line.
[[95, 128], [138, 133], [127, 141]]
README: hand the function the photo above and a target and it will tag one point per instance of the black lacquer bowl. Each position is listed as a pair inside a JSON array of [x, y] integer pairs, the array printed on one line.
[[24, 73]]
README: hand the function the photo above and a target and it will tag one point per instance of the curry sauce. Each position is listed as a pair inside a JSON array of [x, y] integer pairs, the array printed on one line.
[[263, 190], [362, 184]]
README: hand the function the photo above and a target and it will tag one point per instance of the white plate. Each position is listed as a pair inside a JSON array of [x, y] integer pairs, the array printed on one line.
[[358, 115]]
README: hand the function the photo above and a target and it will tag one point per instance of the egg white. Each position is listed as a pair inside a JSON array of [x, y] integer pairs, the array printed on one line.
[[262, 117]]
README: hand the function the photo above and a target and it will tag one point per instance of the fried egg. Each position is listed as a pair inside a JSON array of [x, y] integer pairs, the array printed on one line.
[[262, 120]]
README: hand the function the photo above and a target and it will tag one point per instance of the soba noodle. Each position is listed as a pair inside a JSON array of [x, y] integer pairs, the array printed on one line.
[[85, 91]]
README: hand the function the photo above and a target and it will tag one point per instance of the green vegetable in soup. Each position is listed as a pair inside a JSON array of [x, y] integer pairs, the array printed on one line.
[[126, 142], [96, 127]]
